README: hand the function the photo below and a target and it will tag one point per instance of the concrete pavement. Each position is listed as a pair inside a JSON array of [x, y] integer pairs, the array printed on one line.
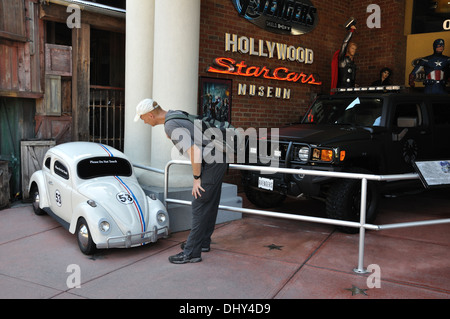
[[252, 258]]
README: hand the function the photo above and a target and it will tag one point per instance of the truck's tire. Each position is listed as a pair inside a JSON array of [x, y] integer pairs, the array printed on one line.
[[343, 202], [264, 199]]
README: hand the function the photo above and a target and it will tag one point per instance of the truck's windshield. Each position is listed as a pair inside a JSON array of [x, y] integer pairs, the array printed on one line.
[[346, 111]]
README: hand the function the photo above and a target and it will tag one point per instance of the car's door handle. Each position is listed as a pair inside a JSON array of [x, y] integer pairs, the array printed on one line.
[[50, 183]]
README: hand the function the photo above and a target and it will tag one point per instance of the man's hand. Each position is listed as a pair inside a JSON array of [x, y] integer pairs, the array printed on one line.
[[197, 189]]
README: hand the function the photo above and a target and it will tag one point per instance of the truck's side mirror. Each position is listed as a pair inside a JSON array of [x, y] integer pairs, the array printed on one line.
[[404, 122]]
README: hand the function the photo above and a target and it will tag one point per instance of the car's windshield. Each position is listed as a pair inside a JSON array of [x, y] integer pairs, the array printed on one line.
[[103, 166], [346, 111]]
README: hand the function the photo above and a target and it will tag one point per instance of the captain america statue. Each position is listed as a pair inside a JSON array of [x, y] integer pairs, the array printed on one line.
[[436, 67]]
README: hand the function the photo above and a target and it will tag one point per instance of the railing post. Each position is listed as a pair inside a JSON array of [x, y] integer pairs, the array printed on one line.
[[362, 229], [166, 184]]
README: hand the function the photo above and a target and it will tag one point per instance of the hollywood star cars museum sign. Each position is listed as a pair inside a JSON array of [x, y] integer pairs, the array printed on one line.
[[281, 17], [270, 50]]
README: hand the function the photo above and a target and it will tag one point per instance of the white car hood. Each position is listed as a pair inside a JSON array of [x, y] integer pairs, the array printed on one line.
[[124, 200]]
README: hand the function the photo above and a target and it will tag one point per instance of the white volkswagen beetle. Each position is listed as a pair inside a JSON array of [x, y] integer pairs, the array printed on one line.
[[92, 191]]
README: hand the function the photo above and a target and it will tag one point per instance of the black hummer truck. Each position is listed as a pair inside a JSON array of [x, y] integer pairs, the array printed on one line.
[[370, 133]]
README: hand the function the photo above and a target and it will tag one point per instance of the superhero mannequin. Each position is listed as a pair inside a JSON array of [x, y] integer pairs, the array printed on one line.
[[343, 65], [385, 77], [435, 67]]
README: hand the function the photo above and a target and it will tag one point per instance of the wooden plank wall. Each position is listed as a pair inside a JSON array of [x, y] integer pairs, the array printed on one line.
[[21, 55], [12, 18], [33, 153], [15, 67], [4, 185], [81, 43]]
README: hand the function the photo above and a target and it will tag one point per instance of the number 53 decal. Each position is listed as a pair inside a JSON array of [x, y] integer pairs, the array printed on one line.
[[125, 198]]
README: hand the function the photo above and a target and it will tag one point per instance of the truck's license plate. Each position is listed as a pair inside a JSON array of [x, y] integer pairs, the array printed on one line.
[[265, 183]]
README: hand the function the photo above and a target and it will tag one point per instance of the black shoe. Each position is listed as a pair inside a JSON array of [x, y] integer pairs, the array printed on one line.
[[181, 258], [204, 249]]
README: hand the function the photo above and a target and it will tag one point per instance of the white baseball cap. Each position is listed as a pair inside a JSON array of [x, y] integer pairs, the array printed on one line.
[[144, 107]]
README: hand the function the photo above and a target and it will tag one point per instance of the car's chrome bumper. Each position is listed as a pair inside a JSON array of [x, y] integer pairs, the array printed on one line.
[[133, 240]]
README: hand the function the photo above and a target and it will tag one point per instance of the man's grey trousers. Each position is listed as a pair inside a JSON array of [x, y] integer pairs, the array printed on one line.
[[205, 208]]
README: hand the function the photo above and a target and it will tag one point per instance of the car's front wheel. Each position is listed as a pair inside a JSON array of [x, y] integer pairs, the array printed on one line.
[[85, 242], [34, 192]]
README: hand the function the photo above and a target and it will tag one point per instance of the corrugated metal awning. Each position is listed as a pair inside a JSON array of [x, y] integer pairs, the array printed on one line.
[[91, 7]]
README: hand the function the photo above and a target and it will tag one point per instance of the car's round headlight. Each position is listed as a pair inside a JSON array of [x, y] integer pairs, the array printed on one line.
[[104, 226], [161, 217], [303, 154]]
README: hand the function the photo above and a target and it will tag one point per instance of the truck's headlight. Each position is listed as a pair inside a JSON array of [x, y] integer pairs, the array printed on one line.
[[303, 154], [104, 226], [326, 155]]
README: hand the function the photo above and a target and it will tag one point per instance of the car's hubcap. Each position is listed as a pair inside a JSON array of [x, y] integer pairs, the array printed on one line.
[[83, 236], [36, 201]]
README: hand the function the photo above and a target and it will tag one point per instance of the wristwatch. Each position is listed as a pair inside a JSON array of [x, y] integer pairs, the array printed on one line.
[[197, 177]]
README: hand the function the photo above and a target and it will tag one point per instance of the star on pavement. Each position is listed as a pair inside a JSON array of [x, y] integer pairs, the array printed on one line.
[[357, 291], [274, 247]]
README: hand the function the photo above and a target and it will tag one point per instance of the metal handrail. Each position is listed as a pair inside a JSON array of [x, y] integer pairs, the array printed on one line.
[[361, 225], [151, 169]]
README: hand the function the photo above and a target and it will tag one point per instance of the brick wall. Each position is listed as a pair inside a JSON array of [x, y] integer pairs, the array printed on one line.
[[377, 48], [384, 47]]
